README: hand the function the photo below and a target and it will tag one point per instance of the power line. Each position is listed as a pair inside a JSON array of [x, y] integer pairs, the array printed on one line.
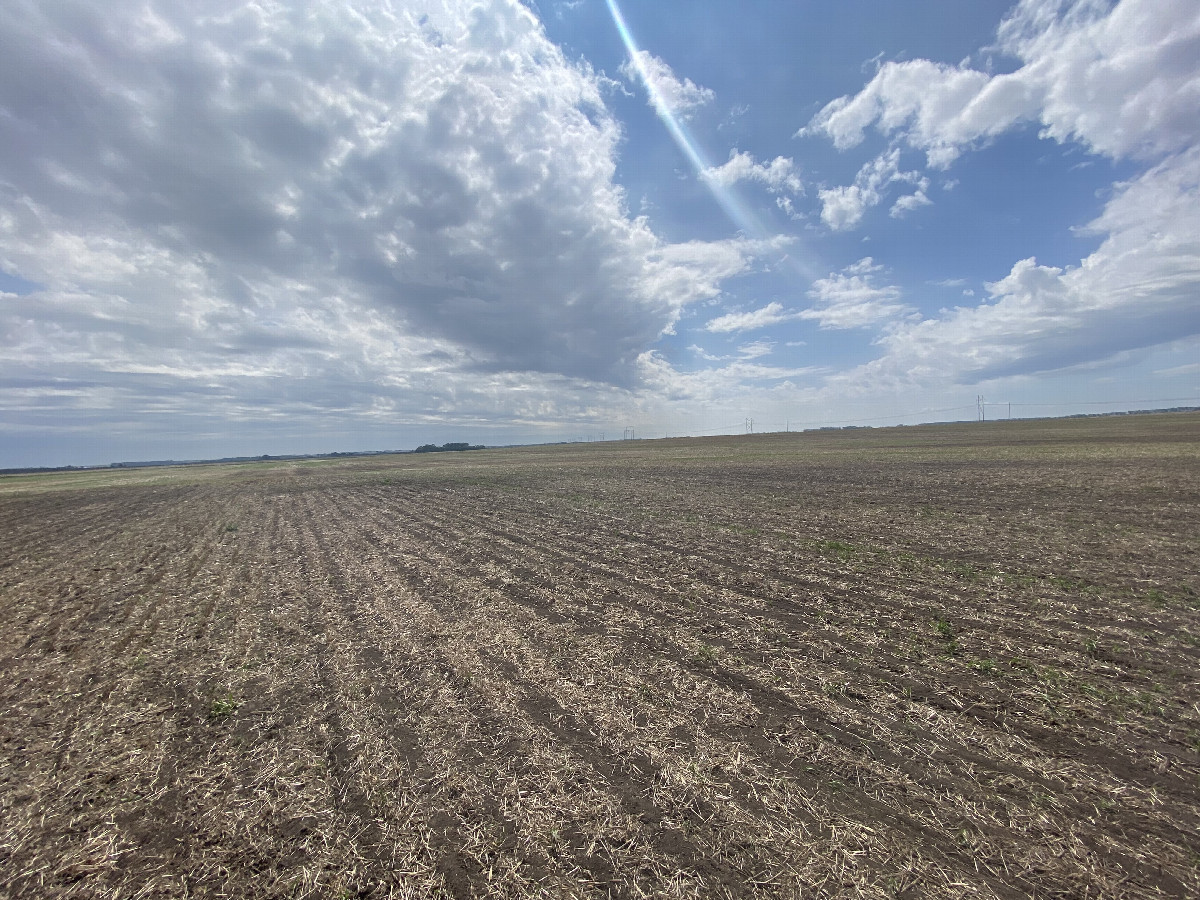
[[903, 415], [747, 424], [1112, 402]]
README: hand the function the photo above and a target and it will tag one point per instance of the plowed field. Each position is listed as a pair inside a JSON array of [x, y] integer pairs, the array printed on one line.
[[953, 661]]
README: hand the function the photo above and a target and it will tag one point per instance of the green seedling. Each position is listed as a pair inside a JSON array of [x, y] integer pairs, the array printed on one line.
[[222, 707]]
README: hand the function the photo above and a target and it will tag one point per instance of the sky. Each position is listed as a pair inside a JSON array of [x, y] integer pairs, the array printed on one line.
[[236, 228]]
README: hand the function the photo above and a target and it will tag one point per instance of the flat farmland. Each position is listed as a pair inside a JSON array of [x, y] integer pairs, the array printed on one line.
[[946, 661]]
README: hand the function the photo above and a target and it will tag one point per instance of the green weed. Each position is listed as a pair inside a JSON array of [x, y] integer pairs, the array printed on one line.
[[706, 654], [836, 688], [1051, 675], [1018, 580], [1066, 582], [962, 569], [222, 707], [946, 631], [1157, 597]]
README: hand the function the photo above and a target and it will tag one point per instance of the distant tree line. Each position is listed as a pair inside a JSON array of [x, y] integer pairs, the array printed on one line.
[[434, 448]]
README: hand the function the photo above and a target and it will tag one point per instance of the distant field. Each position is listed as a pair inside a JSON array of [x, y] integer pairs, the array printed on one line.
[[946, 661]]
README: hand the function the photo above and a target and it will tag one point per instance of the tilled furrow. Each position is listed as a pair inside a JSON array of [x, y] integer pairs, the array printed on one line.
[[710, 669], [626, 778], [526, 578], [712, 598], [867, 660], [519, 584], [854, 749]]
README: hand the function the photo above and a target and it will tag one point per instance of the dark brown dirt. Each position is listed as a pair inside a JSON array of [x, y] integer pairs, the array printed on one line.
[[953, 661]]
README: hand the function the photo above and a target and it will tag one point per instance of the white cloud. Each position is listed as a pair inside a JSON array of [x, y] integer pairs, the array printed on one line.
[[1137, 290], [726, 389], [852, 298], [919, 98], [908, 203], [771, 314], [1121, 79], [345, 207], [1185, 369], [665, 92], [694, 270], [842, 208], [735, 114], [704, 354], [756, 349], [779, 175]]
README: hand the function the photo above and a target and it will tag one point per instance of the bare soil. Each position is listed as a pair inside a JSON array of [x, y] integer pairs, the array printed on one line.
[[951, 661]]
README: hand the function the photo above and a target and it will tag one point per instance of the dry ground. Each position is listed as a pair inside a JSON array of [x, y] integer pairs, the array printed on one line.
[[954, 661]]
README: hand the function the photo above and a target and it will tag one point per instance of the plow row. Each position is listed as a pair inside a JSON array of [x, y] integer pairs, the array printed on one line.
[[693, 672]]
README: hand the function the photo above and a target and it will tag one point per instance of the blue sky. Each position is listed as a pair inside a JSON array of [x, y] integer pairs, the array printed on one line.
[[239, 229]]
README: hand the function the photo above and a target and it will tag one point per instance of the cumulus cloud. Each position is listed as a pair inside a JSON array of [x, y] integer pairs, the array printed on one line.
[[853, 299], [1137, 290], [923, 101], [779, 175], [842, 208], [390, 212], [668, 94], [771, 314], [908, 203], [725, 389], [695, 270], [1119, 78]]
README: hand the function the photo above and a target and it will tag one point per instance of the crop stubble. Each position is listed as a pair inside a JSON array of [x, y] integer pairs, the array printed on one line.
[[954, 661]]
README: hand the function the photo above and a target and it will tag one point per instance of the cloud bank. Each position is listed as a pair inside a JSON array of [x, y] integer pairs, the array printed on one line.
[[1122, 81], [1139, 289], [330, 207]]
